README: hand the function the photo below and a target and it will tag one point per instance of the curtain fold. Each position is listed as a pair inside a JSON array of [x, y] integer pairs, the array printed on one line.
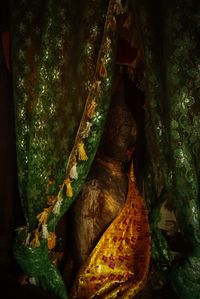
[[62, 57], [170, 36]]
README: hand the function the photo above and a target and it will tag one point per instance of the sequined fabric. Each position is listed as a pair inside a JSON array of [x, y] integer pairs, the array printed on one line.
[[62, 57], [170, 33], [118, 266], [53, 72]]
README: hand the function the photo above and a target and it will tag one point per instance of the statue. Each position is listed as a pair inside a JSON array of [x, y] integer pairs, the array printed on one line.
[[103, 195], [111, 234]]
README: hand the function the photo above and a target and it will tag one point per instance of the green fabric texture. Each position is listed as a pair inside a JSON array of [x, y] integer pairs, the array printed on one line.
[[62, 57], [170, 35], [56, 48], [53, 69], [36, 263]]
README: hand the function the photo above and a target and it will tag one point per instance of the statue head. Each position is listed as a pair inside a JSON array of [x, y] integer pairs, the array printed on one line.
[[120, 131]]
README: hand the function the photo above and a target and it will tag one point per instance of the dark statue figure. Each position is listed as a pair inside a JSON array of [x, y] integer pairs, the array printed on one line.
[[104, 193]]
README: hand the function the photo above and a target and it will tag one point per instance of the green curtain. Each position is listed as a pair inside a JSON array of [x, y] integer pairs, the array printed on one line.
[[170, 33], [62, 58]]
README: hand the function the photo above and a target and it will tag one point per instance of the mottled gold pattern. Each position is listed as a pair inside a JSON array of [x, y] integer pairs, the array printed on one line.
[[118, 266]]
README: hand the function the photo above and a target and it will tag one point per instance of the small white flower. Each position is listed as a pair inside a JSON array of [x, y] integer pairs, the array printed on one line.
[[97, 117]]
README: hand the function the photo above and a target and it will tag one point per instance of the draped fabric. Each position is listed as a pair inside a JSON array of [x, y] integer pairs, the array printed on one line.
[[62, 58], [118, 266], [45, 72], [62, 61], [170, 36]]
